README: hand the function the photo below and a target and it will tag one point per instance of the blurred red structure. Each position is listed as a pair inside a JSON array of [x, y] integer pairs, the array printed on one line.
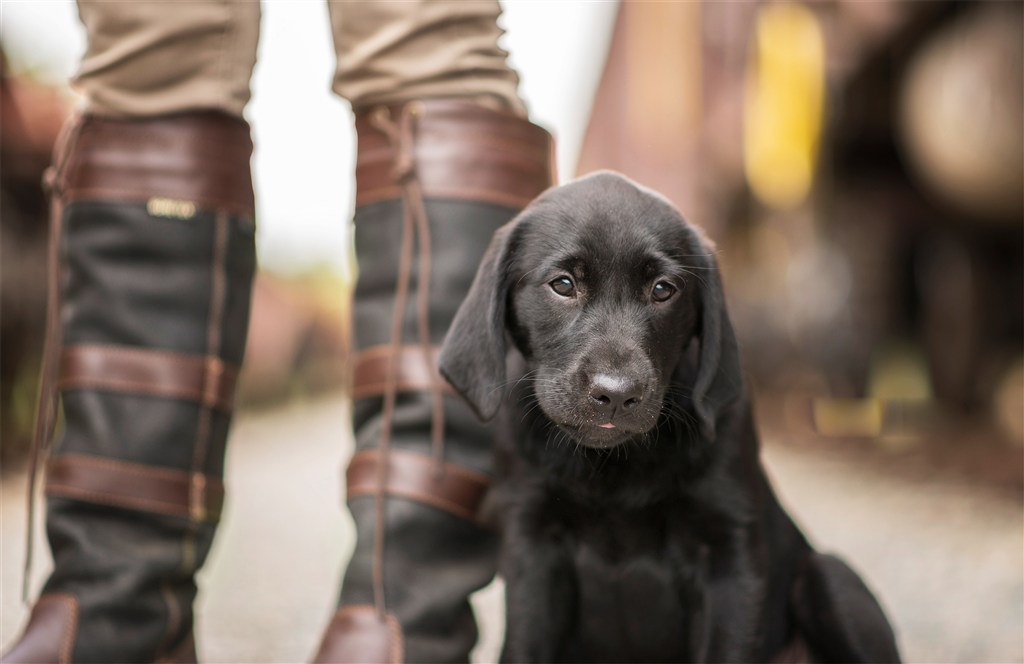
[[32, 115]]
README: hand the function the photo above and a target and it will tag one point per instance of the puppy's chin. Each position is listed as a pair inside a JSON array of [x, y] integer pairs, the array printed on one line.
[[597, 438], [590, 434]]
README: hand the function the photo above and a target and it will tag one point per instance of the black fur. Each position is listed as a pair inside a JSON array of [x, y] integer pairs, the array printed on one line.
[[637, 521]]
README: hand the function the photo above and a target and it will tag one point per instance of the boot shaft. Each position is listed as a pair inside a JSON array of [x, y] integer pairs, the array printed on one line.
[[155, 263], [436, 179]]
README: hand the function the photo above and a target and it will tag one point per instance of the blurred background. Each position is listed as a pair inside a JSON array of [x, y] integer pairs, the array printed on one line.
[[860, 166]]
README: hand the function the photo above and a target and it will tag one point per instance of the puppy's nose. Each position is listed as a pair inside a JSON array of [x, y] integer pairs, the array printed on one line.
[[611, 394]]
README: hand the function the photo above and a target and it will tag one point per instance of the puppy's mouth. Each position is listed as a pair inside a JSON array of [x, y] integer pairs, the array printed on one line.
[[601, 435]]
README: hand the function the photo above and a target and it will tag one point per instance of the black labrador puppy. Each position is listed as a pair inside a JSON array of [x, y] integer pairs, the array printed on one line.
[[638, 523]]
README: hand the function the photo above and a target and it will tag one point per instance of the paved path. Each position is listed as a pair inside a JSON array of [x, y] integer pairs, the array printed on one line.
[[945, 558]]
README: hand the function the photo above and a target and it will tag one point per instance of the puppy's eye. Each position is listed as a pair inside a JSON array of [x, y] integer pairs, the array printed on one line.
[[662, 291], [563, 286]]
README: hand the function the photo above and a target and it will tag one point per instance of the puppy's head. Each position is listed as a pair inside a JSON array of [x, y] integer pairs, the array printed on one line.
[[604, 288]]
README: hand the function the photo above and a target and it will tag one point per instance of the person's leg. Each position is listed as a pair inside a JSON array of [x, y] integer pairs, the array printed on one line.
[[153, 241], [445, 157], [150, 58], [393, 52]]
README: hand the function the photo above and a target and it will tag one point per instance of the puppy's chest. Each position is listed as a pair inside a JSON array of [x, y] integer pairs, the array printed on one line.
[[639, 586]]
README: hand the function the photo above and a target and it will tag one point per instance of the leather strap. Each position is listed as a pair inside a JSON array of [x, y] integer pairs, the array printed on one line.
[[51, 631], [135, 486], [441, 148], [46, 405], [359, 634], [172, 162], [400, 132], [797, 651], [413, 370], [463, 150], [452, 488], [208, 381], [184, 653]]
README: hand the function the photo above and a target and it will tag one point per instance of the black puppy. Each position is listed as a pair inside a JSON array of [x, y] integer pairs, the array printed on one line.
[[638, 524]]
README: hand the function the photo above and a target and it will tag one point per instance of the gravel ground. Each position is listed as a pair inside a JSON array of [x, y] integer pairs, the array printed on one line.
[[944, 556]]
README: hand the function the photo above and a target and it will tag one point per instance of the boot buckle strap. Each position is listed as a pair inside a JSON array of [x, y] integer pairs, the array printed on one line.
[[198, 498], [413, 371], [461, 150], [199, 158], [448, 487], [207, 380], [135, 487]]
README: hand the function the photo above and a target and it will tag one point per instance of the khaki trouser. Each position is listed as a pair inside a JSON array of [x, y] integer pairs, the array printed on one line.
[[146, 58]]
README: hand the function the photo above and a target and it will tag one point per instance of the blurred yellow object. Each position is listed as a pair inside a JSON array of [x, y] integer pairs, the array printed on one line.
[[899, 372], [784, 106], [859, 418], [898, 405]]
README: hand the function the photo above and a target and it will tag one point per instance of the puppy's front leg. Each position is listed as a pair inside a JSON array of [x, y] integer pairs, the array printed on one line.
[[540, 592]]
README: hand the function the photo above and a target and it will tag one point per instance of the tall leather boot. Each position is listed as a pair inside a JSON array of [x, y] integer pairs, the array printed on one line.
[[154, 226], [435, 179]]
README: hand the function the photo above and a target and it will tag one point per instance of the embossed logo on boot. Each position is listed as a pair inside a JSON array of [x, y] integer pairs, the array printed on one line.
[[169, 207]]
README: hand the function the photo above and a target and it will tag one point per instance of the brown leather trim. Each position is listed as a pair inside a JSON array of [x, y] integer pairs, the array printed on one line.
[[185, 653], [208, 380], [795, 652], [50, 633], [371, 366], [135, 486], [360, 635], [462, 150], [448, 487], [200, 158]]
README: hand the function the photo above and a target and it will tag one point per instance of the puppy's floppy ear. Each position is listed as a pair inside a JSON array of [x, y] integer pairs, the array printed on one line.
[[473, 353], [719, 379]]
